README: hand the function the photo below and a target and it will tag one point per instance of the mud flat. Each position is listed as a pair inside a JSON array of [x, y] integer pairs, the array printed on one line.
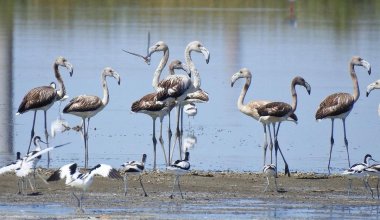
[[212, 195]]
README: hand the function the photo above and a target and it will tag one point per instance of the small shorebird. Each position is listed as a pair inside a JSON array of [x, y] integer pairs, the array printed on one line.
[[80, 180], [179, 168], [269, 171], [339, 105], [358, 171], [24, 167], [133, 168]]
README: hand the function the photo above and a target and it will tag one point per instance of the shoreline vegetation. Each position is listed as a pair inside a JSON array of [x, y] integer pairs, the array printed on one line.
[[197, 186]]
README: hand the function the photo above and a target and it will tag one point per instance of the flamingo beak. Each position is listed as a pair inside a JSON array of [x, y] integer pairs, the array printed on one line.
[[366, 65], [69, 68], [206, 54], [308, 87]]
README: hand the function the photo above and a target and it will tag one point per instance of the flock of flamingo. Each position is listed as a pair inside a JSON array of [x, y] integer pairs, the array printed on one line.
[[177, 90]]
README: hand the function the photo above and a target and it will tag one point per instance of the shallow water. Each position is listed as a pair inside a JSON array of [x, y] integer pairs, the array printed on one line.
[[220, 209], [276, 40]]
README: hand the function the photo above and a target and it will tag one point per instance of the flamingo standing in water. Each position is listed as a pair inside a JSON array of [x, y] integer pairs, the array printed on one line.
[[177, 87], [250, 109], [339, 105], [43, 97], [87, 106], [149, 105], [277, 112]]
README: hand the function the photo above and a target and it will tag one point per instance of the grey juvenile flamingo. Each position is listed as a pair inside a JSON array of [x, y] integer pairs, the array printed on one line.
[[43, 97], [87, 106], [176, 87], [339, 105], [277, 112], [149, 105], [250, 109]]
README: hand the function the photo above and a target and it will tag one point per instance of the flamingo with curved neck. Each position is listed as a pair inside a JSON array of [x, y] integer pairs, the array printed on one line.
[[277, 112], [339, 105], [87, 106], [43, 97]]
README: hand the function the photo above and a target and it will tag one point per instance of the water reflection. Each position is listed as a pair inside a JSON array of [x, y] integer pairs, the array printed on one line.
[[6, 83]]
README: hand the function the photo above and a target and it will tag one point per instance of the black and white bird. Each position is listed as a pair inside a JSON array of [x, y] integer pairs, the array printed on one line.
[[25, 167], [269, 171], [179, 168], [133, 168], [76, 179], [43, 97], [87, 106], [358, 171]]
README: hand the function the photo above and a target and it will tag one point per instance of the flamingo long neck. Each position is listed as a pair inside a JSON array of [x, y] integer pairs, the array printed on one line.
[[354, 78], [161, 65], [62, 90], [193, 70], [240, 102], [106, 95], [294, 97]]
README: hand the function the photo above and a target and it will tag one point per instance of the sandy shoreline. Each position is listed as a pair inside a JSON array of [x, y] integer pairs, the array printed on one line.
[[198, 187]]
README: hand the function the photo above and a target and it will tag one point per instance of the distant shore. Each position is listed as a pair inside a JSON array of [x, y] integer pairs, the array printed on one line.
[[197, 186]]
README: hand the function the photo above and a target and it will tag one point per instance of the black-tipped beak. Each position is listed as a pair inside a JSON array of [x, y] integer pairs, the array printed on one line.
[[367, 94], [232, 84]]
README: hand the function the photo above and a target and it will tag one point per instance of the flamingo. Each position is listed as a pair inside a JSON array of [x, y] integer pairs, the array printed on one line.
[[372, 86], [43, 97], [150, 105], [177, 87], [87, 106], [339, 105], [82, 180], [277, 112], [250, 109]]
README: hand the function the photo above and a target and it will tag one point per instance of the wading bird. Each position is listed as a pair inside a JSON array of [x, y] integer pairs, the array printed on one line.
[[250, 109], [179, 168], [80, 180], [339, 105], [43, 97], [358, 171], [87, 106], [177, 87], [150, 105], [133, 168], [277, 112], [269, 171], [26, 166]]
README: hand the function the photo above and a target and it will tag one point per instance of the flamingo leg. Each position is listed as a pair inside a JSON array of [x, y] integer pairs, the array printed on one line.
[[88, 126], [345, 141], [162, 142], [170, 139], [142, 186], [154, 145], [332, 143], [175, 181], [265, 146], [32, 132], [177, 134], [270, 144], [277, 148], [85, 142], [181, 134], [275, 183], [47, 139]]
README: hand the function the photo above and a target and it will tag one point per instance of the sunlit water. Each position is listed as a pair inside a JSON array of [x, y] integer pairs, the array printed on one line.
[[276, 40]]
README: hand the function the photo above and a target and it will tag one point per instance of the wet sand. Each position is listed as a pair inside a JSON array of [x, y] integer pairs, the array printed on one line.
[[198, 188]]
